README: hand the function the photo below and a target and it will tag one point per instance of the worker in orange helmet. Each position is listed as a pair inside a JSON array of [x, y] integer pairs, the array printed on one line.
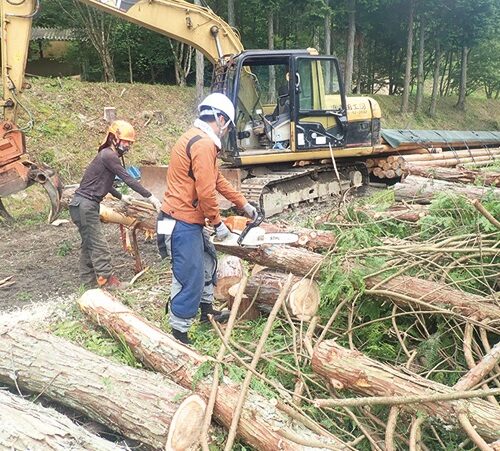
[[95, 258]]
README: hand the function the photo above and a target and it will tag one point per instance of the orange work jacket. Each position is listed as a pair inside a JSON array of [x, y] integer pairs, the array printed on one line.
[[193, 178]]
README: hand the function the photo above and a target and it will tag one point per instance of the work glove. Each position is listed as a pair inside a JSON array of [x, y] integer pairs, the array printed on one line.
[[126, 199], [250, 211], [221, 231], [156, 203]]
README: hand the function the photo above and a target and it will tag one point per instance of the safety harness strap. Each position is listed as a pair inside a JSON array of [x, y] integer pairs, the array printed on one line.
[[191, 142]]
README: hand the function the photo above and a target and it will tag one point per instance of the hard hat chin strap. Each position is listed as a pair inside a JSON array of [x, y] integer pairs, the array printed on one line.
[[222, 127]]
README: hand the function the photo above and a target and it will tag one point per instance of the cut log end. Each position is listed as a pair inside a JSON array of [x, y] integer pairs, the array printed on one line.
[[304, 299], [185, 429]]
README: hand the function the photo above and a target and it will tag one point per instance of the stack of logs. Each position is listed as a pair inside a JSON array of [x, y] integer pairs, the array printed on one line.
[[397, 165]]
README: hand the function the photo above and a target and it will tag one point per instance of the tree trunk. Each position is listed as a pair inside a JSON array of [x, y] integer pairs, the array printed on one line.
[[136, 403], [130, 71], [435, 80], [420, 70], [270, 44], [265, 286], [328, 49], [457, 175], [351, 34], [200, 71], [231, 16], [409, 54], [29, 426], [229, 273], [354, 371], [261, 425], [463, 79], [283, 258], [422, 190]]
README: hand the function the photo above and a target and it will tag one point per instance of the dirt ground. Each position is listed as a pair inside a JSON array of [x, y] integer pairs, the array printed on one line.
[[43, 260]]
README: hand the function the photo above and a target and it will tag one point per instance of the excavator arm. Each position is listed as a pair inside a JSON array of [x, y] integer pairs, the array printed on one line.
[[17, 172], [191, 24]]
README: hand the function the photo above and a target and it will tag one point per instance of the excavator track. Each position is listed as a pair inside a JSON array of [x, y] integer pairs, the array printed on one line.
[[278, 190]]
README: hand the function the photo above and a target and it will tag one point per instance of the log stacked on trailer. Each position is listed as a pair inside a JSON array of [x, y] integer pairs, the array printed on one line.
[[397, 165]]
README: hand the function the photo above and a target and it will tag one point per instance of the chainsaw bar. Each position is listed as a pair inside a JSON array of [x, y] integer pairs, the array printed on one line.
[[256, 237]]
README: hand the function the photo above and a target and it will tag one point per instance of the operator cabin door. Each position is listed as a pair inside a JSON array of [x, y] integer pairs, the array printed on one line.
[[319, 112]]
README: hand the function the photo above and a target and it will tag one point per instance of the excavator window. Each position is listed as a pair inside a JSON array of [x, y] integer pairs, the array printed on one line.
[[321, 116]]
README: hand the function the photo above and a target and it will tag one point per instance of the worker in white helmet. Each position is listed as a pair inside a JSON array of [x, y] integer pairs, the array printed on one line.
[[190, 201]]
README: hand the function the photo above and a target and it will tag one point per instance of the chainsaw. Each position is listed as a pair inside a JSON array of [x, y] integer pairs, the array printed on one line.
[[245, 232]]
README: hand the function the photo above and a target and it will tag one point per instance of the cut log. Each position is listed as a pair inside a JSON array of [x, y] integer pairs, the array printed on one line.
[[138, 404], [354, 371], [29, 426], [265, 287], [472, 153], [423, 190], [283, 258], [302, 262], [457, 175], [229, 273], [436, 294], [452, 162], [311, 239], [261, 425]]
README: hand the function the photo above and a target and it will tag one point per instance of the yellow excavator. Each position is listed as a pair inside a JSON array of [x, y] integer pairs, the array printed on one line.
[[296, 137]]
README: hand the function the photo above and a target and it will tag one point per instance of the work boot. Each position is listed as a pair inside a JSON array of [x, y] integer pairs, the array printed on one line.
[[111, 283], [218, 315], [181, 336]]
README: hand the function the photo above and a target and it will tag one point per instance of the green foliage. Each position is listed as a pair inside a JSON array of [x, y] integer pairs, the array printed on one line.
[[456, 215], [64, 248]]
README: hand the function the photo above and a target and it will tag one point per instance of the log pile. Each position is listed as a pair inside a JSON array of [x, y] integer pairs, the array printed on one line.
[[393, 166]]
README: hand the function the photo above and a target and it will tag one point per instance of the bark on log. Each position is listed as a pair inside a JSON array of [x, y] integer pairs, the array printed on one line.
[[266, 285], [453, 162], [229, 273], [311, 239], [261, 425], [438, 294], [301, 262], [422, 190], [28, 426], [354, 371], [457, 175], [136, 403], [283, 258], [472, 153]]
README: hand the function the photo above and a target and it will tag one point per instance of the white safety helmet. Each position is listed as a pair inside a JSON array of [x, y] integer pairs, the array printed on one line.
[[217, 103]]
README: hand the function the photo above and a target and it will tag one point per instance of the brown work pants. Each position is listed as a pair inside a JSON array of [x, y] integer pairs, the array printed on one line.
[[95, 258]]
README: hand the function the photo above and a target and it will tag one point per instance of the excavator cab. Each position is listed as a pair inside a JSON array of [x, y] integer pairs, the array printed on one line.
[[287, 102]]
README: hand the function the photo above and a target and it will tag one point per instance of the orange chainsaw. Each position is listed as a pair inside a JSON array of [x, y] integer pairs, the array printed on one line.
[[245, 232]]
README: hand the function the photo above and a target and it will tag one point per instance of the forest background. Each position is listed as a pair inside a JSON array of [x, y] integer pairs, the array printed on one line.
[[397, 47]]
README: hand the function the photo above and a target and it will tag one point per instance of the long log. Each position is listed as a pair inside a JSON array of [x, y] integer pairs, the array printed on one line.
[[451, 155], [262, 425], [354, 371], [311, 239], [301, 262], [452, 162], [266, 285], [283, 258], [457, 175], [404, 290], [423, 190], [138, 404], [28, 426]]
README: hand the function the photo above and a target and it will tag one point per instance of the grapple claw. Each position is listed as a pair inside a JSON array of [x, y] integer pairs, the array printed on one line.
[[53, 186]]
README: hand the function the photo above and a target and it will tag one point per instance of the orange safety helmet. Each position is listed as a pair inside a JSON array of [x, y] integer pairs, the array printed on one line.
[[120, 130]]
